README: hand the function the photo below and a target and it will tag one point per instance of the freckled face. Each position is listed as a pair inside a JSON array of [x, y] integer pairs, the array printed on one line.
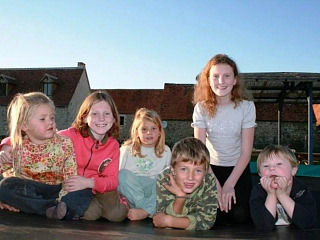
[[188, 176], [222, 80], [100, 119]]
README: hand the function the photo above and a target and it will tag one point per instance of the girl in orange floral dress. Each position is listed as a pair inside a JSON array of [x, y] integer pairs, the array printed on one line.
[[42, 161]]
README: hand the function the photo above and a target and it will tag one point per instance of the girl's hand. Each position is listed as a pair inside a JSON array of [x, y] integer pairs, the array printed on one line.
[[160, 220], [227, 195], [76, 183], [219, 191], [8, 207], [172, 186], [5, 154], [268, 184]]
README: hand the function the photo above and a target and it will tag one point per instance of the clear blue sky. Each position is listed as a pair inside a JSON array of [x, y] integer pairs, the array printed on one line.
[[145, 43]]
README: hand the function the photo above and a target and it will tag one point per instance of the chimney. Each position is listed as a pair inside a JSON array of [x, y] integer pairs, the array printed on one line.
[[81, 65]]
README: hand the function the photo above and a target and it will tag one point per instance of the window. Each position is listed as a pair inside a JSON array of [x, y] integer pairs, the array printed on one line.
[[47, 89], [3, 89], [49, 84], [6, 84], [122, 120]]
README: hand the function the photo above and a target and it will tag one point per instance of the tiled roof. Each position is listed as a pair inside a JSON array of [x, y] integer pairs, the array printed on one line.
[[29, 80], [174, 102]]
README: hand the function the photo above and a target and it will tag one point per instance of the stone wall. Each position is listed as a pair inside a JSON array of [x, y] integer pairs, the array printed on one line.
[[81, 92], [3, 121], [62, 118], [294, 134]]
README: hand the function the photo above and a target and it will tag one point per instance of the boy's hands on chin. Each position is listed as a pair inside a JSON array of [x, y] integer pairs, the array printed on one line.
[[283, 186], [268, 184], [172, 186]]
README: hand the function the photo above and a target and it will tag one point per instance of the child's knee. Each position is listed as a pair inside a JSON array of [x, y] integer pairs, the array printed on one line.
[[116, 214], [124, 175], [94, 210]]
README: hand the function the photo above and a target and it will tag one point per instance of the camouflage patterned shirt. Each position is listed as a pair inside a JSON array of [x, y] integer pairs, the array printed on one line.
[[200, 207]]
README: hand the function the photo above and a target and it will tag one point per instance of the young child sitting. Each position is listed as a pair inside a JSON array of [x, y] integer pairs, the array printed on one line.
[[142, 159], [279, 198], [187, 193], [41, 162]]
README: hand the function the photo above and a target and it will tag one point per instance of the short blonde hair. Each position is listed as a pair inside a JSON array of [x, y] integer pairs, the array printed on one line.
[[279, 151], [19, 112], [190, 150]]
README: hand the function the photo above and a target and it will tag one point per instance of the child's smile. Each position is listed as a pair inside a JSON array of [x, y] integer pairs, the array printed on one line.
[[189, 176]]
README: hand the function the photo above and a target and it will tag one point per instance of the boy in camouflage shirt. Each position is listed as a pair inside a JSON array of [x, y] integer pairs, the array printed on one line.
[[187, 193]]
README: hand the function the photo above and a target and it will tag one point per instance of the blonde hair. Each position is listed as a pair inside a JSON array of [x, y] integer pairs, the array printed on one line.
[[80, 125], [278, 151], [144, 114], [19, 112], [203, 93], [190, 150]]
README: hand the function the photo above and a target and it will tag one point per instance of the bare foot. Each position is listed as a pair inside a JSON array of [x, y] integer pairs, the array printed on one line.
[[137, 214]]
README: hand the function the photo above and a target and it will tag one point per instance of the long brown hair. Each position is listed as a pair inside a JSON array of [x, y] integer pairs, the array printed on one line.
[[84, 110], [203, 93]]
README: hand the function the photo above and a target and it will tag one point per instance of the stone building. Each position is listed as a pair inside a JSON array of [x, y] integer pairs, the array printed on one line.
[[271, 92], [67, 87]]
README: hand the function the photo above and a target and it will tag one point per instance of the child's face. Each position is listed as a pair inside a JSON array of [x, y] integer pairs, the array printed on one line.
[[148, 133], [222, 80], [188, 176], [41, 125], [277, 166], [100, 119]]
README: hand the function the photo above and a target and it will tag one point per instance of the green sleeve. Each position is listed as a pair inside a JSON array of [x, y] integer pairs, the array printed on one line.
[[204, 204]]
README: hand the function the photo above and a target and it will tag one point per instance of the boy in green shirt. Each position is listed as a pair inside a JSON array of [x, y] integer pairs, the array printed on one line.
[[187, 193]]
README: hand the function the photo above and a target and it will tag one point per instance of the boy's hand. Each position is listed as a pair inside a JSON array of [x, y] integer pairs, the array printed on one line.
[[283, 186], [5, 154], [172, 186], [160, 220], [267, 184]]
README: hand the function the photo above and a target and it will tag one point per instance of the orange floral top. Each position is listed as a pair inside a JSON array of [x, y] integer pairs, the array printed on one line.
[[50, 163]]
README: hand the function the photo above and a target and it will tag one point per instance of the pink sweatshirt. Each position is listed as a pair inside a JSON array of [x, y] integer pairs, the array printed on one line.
[[96, 160]]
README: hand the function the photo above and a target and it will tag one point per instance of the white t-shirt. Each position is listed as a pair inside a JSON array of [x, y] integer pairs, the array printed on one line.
[[224, 130], [149, 166], [283, 218]]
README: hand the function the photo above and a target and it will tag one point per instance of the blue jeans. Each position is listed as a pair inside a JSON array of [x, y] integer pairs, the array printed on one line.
[[35, 197], [140, 191]]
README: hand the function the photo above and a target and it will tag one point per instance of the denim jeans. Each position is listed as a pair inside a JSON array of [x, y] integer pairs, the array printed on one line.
[[35, 197], [140, 191]]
